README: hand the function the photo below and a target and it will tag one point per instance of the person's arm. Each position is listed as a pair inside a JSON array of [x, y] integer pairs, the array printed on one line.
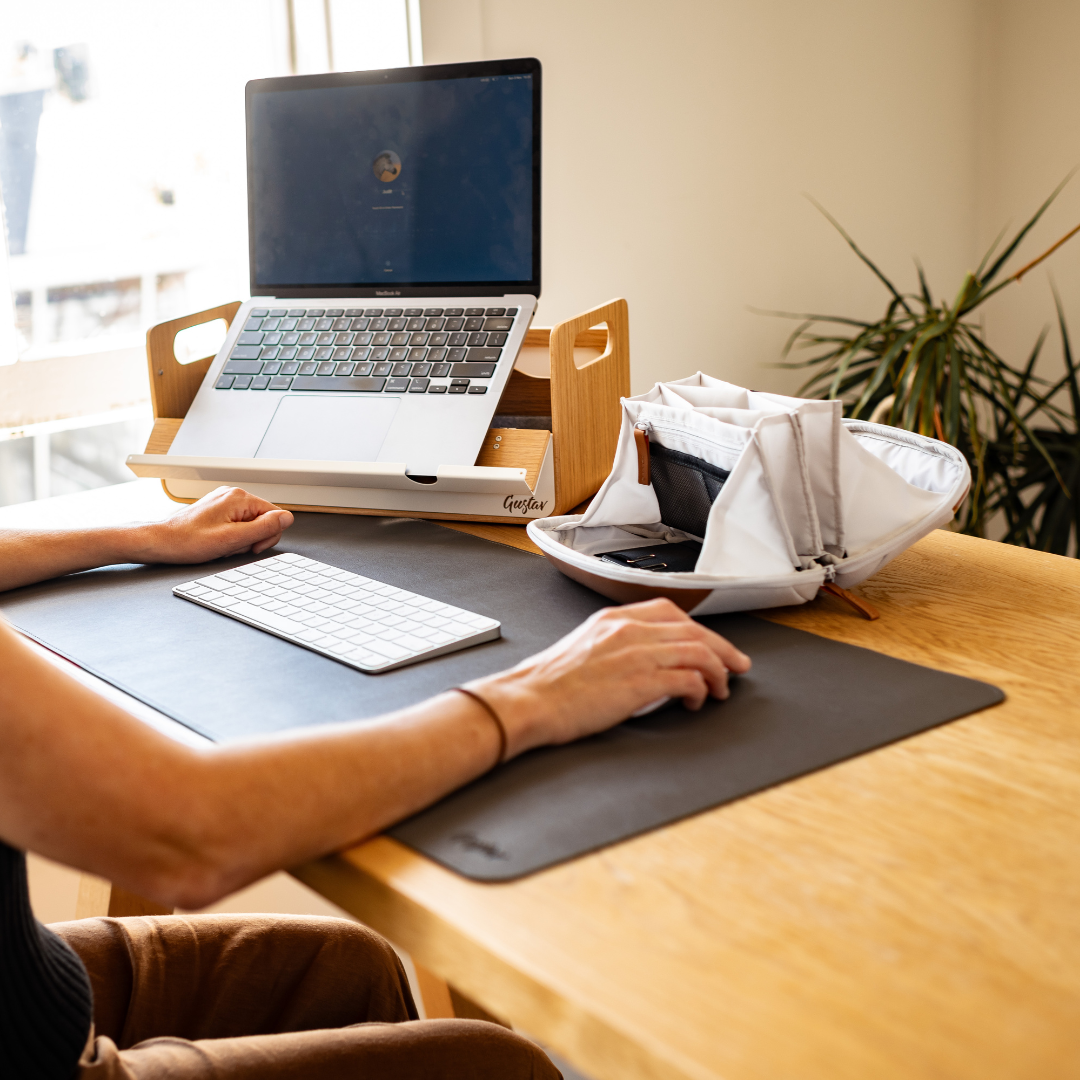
[[84, 783], [225, 522]]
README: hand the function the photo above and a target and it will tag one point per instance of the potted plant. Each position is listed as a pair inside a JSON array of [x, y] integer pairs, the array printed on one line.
[[926, 366]]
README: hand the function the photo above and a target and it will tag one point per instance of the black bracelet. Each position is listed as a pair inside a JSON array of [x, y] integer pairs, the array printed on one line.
[[494, 716]]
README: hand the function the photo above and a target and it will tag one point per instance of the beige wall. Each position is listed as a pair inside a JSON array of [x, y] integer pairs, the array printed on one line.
[[1029, 140], [679, 137]]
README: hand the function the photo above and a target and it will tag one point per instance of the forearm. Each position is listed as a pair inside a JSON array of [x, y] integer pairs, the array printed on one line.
[[30, 555], [226, 522], [86, 784]]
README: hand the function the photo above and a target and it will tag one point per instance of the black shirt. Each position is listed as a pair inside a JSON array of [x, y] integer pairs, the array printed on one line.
[[45, 1001]]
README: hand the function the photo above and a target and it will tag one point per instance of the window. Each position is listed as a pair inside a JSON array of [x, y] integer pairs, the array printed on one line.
[[123, 184]]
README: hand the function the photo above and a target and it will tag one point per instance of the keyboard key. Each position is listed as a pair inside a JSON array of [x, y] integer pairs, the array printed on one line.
[[419, 386], [414, 323], [353, 312], [416, 340], [398, 354], [438, 339], [242, 382], [440, 371], [382, 368], [260, 382], [325, 338], [334, 312], [280, 382], [401, 369], [358, 324], [271, 619], [477, 339], [388, 649], [270, 324], [337, 382], [412, 312], [497, 340], [278, 313], [363, 369], [246, 338], [373, 312], [473, 371], [245, 352], [325, 368], [511, 311], [472, 312], [397, 386], [269, 352], [297, 312], [341, 324], [455, 356], [258, 313], [396, 326], [253, 324], [224, 383], [478, 389], [308, 368], [437, 388], [497, 324], [271, 367], [420, 371], [454, 312], [392, 312], [483, 356], [322, 325], [453, 325], [457, 389], [305, 325], [290, 369], [342, 352], [324, 352], [455, 341]]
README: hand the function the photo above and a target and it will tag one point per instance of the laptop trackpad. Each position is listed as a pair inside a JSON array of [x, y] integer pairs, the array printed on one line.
[[328, 428]]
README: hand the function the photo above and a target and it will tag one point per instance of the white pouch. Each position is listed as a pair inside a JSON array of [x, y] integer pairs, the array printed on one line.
[[783, 493]]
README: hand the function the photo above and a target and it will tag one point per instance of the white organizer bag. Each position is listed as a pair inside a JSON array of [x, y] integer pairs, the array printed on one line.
[[784, 495]]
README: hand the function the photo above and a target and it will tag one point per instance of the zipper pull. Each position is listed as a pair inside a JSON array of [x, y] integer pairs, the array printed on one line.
[[866, 610], [641, 439]]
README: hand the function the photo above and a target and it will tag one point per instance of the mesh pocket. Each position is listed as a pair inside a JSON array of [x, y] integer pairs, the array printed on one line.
[[685, 486]]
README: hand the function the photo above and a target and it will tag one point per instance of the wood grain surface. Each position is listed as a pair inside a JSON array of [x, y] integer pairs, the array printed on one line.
[[911, 913], [515, 448], [585, 410], [173, 385]]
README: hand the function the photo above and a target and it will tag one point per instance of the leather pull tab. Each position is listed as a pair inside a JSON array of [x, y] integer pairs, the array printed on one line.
[[641, 438], [867, 611]]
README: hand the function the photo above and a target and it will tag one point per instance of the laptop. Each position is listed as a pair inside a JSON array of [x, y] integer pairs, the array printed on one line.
[[394, 231]]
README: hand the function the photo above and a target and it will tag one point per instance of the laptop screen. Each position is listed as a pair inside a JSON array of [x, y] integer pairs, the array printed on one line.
[[396, 182]]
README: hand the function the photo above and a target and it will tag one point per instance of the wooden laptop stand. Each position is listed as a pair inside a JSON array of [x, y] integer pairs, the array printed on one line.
[[579, 397]]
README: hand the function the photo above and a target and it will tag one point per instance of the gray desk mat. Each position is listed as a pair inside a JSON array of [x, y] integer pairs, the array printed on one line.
[[808, 702]]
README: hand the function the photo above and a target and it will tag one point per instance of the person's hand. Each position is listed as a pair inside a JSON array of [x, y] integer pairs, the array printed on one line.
[[228, 521], [618, 661]]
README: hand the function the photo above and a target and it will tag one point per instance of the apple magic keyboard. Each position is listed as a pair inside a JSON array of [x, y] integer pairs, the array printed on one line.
[[364, 623]]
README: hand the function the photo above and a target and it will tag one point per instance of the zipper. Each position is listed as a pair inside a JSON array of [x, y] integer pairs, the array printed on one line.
[[641, 441]]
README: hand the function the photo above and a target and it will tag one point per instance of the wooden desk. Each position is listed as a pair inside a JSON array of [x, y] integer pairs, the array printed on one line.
[[912, 913]]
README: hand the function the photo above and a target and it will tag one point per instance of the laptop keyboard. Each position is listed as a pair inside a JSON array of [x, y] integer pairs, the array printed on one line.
[[364, 623], [392, 350]]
